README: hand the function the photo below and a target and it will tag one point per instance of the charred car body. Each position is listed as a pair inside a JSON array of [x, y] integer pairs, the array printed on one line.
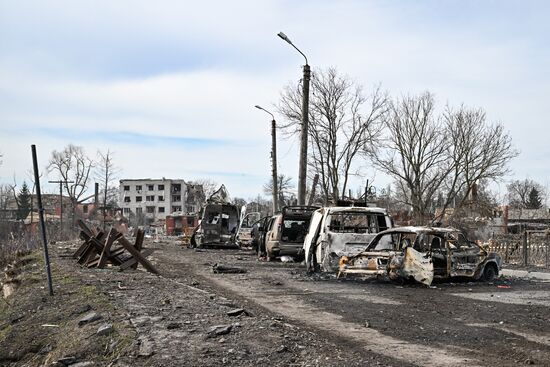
[[219, 222], [259, 231], [423, 253], [341, 231], [245, 235], [287, 230]]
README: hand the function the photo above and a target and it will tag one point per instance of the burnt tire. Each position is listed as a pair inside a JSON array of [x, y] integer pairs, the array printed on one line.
[[490, 272]]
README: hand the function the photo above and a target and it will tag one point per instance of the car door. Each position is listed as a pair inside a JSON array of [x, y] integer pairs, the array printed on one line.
[[418, 265], [310, 241]]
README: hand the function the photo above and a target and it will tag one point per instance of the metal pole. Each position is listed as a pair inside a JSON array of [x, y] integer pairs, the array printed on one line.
[[274, 166], [524, 247], [41, 215], [61, 206], [302, 169]]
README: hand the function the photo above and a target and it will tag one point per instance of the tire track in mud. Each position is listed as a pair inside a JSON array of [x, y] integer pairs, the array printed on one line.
[[292, 307]]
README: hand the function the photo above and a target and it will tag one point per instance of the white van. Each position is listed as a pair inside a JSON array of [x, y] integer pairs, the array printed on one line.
[[341, 231]]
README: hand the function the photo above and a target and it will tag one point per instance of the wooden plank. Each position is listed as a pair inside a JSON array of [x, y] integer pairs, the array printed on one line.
[[131, 261], [87, 253], [105, 254], [140, 235], [85, 228], [80, 250], [136, 254]]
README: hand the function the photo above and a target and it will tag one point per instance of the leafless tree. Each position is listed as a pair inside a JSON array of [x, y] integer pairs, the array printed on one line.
[[209, 186], [106, 173], [519, 192], [415, 151], [72, 164], [285, 189], [344, 124], [432, 156], [479, 151]]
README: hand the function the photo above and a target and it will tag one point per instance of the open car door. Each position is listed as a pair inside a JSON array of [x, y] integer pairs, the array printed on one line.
[[418, 265]]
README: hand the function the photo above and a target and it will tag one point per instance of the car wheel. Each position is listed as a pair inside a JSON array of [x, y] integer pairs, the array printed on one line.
[[489, 273]]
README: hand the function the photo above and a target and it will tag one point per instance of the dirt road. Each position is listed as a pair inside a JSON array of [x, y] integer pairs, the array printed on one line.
[[451, 324]]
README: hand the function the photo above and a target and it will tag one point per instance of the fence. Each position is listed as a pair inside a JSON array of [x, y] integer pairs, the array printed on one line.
[[530, 248]]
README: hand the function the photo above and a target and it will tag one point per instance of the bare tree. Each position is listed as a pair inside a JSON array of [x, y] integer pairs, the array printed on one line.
[[480, 151], [520, 192], [72, 164], [106, 173], [415, 152], [209, 186], [285, 189], [437, 160], [343, 124]]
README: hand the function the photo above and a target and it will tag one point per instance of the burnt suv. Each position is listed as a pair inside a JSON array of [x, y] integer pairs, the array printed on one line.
[[287, 230]]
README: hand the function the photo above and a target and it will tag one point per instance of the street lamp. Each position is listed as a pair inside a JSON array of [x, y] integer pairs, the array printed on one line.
[[302, 169], [273, 159]]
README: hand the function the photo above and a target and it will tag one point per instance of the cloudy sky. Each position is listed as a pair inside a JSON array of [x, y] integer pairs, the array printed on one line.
[[170, 86]]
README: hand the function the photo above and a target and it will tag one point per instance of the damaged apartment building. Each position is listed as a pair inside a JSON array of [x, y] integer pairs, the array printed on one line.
[[148, 201]]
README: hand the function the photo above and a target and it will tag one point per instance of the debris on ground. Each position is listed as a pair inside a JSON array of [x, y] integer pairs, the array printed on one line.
[[221, 269]]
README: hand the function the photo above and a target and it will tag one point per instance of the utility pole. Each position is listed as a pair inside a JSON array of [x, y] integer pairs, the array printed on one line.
[[61, 182], [302, 169], [275, 179]]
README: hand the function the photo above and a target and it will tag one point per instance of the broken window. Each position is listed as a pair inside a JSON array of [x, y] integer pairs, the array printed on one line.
[[127, 199], [150, 209], [357, 222], [160, 187], [126, 211], [387, 242], [294, 230], [150, 198], [151, 187], [138, 198], [138, 187], [85, 209], [190, 221], [176, 209], [127, 188], [176, 188], [176, 197], [161, 198], [161, 209], [139, 211]]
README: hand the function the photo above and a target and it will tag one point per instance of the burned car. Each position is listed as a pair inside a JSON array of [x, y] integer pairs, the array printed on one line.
[[287, 230], [341, 231], [422, 254], [244, 236], [219, 223], [259, 231]]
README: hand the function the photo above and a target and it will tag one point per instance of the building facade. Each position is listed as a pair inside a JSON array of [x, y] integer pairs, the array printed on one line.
[[145, 201]]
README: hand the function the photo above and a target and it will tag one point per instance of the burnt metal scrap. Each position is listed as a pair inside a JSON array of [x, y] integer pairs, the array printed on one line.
[[341, 231], [423, 254]]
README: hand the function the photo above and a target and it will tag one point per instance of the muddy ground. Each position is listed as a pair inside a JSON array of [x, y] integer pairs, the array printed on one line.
[[186, 317]]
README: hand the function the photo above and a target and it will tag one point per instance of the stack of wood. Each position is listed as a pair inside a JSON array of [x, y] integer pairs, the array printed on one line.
[[100, 249]]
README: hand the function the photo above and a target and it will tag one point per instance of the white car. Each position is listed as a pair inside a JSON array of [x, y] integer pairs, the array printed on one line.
[[341, 231]]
